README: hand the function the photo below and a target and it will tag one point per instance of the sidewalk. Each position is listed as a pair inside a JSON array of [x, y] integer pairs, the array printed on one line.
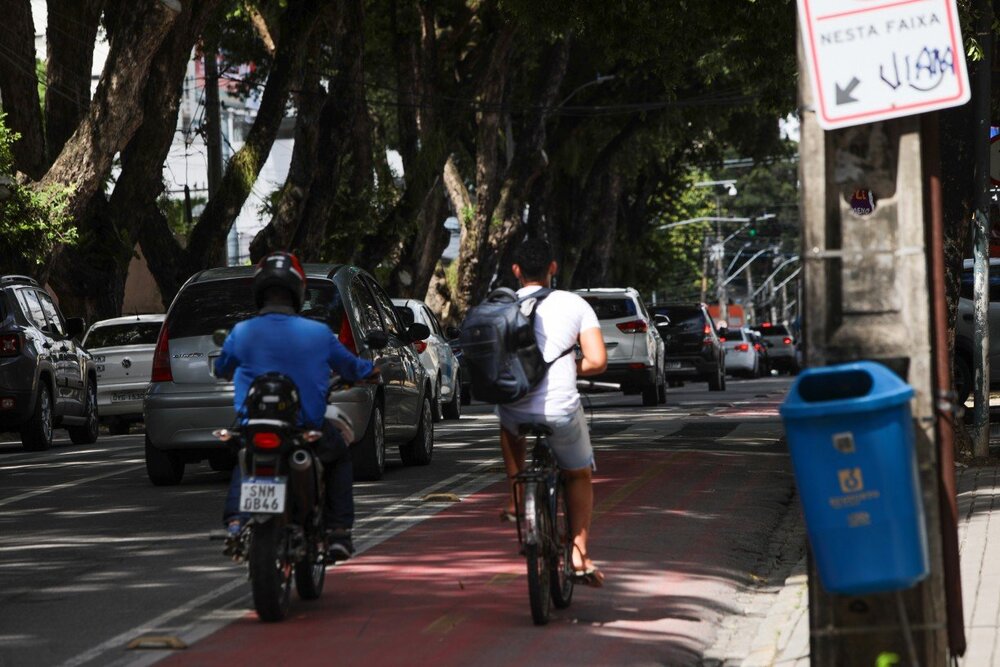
[[783, 638]]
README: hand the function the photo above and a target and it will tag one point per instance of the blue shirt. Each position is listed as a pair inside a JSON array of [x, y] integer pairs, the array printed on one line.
[[305, 350]]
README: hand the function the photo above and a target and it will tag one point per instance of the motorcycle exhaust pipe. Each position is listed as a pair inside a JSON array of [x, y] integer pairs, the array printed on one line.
[[300, 460], [303, 482]]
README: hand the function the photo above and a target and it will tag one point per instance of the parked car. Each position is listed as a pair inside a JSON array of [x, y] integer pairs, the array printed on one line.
[[635, 349], [741, 355], [763, 358], [965, 330], [47, 379], [780, 347], [122, 350], [693, 348], [437, 357], [463, 370], [185, 402]]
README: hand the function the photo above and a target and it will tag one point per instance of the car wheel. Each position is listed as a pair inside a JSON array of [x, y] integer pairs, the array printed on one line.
[[453, 408], [420, 450], [163, 468], [36, 434], [437, 407], [963, 380], [650, 395], [718, 381], [368, 455], [86, 433]]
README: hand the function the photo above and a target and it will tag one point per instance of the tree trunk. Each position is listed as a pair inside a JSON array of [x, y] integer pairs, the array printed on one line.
[[90, 276], [115, 112], [209, 235], [19, 87], [71, 34]]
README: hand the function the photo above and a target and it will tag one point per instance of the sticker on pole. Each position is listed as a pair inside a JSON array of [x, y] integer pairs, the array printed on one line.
[[871, 60]]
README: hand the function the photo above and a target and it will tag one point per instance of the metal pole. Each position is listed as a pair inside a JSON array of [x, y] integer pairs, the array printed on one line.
[[981, 246], [748, 304], [704, 269], [720, 276]]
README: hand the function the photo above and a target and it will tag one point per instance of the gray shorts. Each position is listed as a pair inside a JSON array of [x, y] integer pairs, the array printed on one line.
[[570, 439]]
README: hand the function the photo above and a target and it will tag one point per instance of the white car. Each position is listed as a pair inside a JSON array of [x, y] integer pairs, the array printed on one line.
[[741, 356], [437, 358], [635, 348], [122, 349]]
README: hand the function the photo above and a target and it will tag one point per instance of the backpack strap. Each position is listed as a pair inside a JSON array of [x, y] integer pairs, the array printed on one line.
[[539, 296]]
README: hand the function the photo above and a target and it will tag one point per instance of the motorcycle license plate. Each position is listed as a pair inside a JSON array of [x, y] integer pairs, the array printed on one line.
[[263, 495]]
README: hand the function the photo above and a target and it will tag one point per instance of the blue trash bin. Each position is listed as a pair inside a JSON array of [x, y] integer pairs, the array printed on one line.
[[850, 434]]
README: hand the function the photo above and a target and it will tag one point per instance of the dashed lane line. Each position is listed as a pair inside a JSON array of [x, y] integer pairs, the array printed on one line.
[[65, 485]]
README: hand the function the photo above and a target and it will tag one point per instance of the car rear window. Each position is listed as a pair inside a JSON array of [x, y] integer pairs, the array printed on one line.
[[733, 334], [611, 309], [130, 333], [773, 330], [202, 308], [685, 317]]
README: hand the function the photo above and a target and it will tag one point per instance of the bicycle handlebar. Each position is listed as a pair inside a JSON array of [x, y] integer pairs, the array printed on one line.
[[602, 386]]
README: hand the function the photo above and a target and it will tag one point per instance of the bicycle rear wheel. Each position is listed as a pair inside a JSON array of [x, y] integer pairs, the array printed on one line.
[[561, 563], [536, 553]]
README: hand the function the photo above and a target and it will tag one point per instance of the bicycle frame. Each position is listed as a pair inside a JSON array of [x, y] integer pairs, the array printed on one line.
[[543, 469]]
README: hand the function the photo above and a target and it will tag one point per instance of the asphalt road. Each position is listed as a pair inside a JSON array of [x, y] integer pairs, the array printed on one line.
[[93, 557]]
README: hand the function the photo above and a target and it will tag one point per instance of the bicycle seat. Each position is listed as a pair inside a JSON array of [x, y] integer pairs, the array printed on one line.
[[534, 429]]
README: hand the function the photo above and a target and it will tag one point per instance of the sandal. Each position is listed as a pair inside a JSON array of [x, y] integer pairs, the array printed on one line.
[[590, 577]]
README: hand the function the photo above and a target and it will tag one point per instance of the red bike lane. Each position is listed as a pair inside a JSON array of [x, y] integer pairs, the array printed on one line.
[[671, 533]]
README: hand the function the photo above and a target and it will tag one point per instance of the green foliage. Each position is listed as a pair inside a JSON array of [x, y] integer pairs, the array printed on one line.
[[32, 222], [173, 209]]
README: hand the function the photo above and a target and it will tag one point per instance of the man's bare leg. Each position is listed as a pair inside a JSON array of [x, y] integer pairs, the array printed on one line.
[[580, 501], [513, 448]]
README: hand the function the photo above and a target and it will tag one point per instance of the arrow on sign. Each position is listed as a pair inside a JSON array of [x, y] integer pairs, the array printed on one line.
[[844, 94]]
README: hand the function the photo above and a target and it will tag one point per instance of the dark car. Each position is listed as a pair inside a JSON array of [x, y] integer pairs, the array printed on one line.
[[464, 372], [780, 347], [185, 402], [691, 342], [47, 380]]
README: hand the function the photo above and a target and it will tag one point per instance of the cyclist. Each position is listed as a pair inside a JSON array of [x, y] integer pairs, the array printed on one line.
[[562, 320], [279, 339]]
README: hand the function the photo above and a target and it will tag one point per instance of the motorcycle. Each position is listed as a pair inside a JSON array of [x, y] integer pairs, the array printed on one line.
[[282, 493]]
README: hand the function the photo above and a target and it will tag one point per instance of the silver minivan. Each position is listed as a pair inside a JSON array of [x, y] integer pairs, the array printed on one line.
[[122, 349], [437, 357], [185, 402]]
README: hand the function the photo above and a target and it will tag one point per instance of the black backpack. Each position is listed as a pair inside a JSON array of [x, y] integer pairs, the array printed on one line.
[[498, 342]]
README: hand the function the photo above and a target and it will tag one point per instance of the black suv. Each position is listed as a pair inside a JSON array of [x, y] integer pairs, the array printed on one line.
[[692, 349], [46, 378]]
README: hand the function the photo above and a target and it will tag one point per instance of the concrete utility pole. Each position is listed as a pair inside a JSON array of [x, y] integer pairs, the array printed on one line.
[[213, 127], [866, 292], [981, 236]]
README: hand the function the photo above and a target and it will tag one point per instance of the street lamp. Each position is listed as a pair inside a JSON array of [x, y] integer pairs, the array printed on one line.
[[718, 249]]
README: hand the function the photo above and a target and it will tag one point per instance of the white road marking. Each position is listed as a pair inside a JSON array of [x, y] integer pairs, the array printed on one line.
[[64, 485]]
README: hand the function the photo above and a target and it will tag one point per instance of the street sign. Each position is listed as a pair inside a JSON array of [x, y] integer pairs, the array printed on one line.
[[871, 60]]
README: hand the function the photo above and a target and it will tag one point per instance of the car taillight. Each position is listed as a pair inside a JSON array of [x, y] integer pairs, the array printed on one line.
[[161, 357], [419, 346], [742, 347], [266, 440], [766, 325], [787, 340], [10, 345], [707, 330], [633, 327], [758, 347], [722, 339]]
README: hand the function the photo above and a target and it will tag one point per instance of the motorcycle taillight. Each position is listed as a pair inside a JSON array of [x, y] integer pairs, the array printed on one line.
[[266, 440]]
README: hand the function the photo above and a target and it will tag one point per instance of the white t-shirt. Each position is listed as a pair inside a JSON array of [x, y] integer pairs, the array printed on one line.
[[559, 320]]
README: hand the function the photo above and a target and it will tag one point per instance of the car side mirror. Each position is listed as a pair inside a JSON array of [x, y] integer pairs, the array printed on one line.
[[418, 331], [405, 315], [219, 336], [75, 326], [452, 333], [377, 340]]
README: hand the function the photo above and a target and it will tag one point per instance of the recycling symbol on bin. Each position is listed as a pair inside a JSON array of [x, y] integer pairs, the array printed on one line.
[[850, 480]]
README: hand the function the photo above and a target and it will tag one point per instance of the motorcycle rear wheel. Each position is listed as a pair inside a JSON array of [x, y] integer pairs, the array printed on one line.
[[270, 570], [310, 574]]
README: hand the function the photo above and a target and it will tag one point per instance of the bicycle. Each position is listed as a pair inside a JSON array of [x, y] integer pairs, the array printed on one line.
[[543, 524]]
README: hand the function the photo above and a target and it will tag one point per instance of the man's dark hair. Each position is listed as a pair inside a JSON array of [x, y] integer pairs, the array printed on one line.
[[534, 257]]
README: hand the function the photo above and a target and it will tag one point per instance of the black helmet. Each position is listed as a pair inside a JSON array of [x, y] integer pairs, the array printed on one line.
[[280, 269], [273, 396]]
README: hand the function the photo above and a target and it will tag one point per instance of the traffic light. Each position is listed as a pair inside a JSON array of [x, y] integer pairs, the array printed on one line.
[[752, 229]]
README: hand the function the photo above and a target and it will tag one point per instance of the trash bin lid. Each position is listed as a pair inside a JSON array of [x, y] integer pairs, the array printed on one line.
[[860, 386]]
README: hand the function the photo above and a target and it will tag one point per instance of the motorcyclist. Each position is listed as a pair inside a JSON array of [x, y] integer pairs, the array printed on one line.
[[278, 339]]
